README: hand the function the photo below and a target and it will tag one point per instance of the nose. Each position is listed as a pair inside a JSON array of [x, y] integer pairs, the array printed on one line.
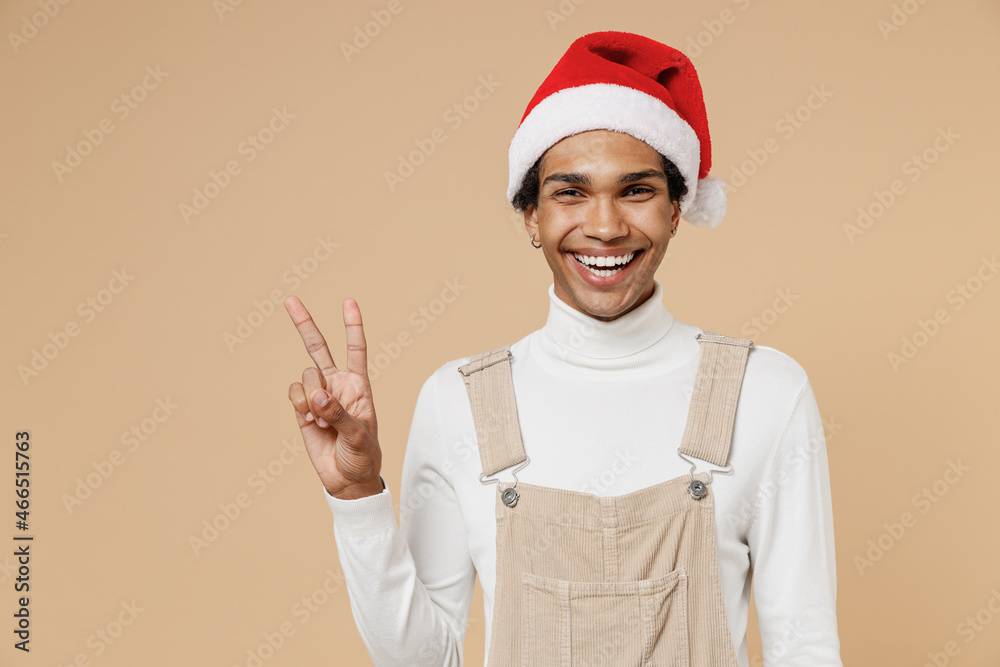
[[604, 220]]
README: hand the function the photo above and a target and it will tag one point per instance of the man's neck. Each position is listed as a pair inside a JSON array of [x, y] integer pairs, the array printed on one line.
[[579, 333]]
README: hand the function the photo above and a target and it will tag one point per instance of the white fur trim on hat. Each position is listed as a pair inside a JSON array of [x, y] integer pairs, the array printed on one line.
[[608, 106], [709, 205]]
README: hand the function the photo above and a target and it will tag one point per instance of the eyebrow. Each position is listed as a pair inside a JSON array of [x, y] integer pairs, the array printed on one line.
[[584, 179], [641, 175]]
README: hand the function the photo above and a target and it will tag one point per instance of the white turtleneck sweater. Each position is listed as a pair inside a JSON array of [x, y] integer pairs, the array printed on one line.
[[602, 408]]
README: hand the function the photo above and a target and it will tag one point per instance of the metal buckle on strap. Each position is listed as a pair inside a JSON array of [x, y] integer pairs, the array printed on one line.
[[497, 361], [697, 487], [510, 494], [702, 337]]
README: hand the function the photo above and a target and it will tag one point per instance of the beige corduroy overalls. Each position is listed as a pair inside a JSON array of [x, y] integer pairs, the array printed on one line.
[[629, 580]]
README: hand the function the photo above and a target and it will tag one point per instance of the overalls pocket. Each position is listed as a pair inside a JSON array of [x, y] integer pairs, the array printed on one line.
[[610, 624]]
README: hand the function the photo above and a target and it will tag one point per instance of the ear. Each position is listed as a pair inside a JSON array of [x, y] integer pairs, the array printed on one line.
[[676, 214], [531, 219]]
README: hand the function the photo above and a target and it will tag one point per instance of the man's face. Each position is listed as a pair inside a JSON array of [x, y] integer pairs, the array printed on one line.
[[602, 193]]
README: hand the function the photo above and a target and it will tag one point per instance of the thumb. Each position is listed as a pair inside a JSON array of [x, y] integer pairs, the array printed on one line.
[[326, 406]]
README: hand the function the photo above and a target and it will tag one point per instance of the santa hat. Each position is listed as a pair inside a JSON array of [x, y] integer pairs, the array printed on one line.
[[632, 84]]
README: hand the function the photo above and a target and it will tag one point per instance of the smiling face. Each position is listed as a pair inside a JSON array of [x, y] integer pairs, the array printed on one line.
[[602, 194]]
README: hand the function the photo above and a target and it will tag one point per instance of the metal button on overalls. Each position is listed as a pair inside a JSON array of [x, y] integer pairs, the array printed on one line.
[[630, 580]]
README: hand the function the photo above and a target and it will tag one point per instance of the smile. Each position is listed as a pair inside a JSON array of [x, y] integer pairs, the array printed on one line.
[[605, 266]]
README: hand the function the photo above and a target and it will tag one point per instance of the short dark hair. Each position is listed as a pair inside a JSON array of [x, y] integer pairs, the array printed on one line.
[[527, 195]]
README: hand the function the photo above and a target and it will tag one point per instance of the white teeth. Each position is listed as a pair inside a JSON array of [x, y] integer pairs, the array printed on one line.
[[596, 262], [604, 261]]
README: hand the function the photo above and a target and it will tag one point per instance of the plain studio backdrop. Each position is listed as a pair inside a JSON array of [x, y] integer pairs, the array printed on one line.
[[173, 170]]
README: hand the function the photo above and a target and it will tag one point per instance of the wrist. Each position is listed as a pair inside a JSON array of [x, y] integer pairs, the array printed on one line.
[[358, 491]]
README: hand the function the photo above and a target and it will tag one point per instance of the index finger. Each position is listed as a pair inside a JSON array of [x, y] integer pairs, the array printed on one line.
[[311, 336]]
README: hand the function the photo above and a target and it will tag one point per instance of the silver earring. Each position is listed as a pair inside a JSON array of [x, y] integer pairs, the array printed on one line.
[[533, 242]]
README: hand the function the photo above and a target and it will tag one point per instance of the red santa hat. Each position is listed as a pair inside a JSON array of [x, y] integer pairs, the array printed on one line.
[[632, 84]]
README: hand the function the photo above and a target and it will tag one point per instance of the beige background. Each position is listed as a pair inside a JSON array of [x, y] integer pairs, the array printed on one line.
[[164, 335]]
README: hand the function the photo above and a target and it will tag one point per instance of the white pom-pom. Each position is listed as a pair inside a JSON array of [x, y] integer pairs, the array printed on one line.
[[708, 207]]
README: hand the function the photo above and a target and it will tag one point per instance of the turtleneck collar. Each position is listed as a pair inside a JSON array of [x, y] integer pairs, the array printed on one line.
[[582, 337]]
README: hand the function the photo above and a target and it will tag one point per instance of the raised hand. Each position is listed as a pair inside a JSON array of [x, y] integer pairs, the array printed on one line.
[[334, 408]]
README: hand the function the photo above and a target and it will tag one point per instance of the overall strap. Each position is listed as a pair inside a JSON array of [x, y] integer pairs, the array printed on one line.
[[490, 385], [709, 429]]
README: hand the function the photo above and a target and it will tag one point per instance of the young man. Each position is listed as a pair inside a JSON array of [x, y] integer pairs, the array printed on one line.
[[599, 543]]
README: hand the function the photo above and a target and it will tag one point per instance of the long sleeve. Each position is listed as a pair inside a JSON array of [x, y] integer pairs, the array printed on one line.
[[792, 547], [410, 587]]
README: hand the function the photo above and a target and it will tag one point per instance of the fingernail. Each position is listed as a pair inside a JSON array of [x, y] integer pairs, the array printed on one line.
[[309, 416], [321, 422], [321, 398]]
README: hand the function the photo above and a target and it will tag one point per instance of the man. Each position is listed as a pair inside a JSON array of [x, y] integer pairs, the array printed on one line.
[[598, 544]]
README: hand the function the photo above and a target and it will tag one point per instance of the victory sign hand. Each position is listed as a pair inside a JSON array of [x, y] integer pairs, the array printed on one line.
[[335, 410]]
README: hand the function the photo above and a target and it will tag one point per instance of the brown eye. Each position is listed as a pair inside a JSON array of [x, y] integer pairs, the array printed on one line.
[[639, 190]]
